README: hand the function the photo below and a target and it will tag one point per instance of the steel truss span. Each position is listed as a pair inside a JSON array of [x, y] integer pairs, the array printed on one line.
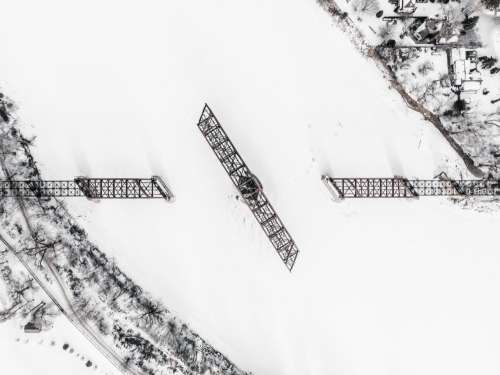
[[403, 188], [249, 187], [92, 188]]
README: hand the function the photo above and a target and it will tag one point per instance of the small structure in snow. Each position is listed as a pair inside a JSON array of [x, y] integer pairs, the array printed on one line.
[[32, 327]]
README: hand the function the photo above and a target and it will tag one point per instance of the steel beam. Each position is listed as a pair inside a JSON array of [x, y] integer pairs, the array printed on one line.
[[92, 188], [399, 187], [241, 175]]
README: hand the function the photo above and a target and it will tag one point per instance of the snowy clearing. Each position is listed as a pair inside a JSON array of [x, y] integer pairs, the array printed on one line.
[[60, 351]]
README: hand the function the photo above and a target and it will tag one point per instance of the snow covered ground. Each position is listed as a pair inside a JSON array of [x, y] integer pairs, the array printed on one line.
[[495, 35], [489, 29], [59, 351], [380, 287]]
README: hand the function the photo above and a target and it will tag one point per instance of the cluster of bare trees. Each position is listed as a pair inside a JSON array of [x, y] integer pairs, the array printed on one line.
[[491, 4], [23, 299], [478, 134], [119, 309], [17, 289]]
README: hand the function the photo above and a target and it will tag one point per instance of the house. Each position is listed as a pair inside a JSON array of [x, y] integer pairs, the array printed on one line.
[[34, 325], [405, 7], [462, 66]]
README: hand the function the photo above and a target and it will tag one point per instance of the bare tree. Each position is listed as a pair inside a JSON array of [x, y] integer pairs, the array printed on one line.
[[22, 289], [153, 312]]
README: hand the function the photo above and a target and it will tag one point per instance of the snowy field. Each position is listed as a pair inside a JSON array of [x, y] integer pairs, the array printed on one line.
[[380, 287], [58, 351], [495, 35]]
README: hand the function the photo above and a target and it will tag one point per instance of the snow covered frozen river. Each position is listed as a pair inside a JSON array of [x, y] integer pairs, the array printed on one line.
[[380, 287]]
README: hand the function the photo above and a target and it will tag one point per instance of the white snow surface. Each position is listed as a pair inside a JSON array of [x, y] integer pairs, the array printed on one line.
[[489, 29], [46, 353], [115, 88]]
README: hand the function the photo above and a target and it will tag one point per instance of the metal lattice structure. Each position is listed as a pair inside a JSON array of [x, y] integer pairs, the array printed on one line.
[[249, 187], [403, 188], [92, 188]]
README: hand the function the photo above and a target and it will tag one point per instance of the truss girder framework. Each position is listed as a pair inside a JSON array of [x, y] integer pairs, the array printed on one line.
[[403, 188], [93, 188], [237, 170]]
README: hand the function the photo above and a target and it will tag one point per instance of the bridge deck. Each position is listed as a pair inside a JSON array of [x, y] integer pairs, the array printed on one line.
[[238, 171]]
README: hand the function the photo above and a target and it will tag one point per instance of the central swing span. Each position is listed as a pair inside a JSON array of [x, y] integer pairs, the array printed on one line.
[[249, 187]]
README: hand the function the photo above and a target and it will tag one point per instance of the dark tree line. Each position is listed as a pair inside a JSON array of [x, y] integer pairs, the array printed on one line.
[[491, 4]]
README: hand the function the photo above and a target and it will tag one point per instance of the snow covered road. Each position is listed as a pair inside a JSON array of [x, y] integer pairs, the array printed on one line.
[[380, 287]]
